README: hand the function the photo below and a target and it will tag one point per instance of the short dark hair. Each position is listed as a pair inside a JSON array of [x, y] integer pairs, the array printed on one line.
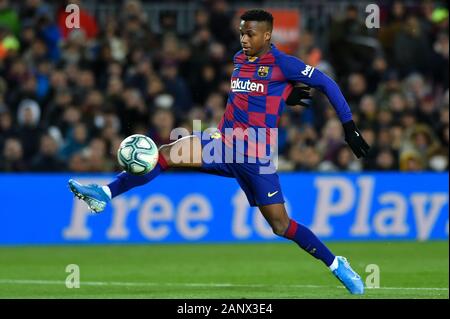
[[258, 15]]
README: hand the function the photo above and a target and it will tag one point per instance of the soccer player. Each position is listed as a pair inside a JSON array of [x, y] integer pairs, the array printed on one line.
[[261, 83]]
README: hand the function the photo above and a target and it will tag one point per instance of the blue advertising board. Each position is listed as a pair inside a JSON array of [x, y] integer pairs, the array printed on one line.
[[194, 207]]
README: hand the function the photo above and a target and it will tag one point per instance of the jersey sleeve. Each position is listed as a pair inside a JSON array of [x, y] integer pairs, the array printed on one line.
[[296, 70]]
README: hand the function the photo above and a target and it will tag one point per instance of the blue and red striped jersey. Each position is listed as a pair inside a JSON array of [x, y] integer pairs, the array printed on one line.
[[259, 89]]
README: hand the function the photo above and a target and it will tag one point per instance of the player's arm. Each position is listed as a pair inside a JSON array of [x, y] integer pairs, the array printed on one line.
[[296, 70]]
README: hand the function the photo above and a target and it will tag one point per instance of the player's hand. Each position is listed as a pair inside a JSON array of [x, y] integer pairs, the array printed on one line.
[[355, 140], [300, 95]]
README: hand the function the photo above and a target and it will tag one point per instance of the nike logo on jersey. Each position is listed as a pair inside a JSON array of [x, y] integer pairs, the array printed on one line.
[[271, 194], [357, 134]]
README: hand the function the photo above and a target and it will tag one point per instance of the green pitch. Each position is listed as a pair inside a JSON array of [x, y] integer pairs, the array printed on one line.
[[407, 270]]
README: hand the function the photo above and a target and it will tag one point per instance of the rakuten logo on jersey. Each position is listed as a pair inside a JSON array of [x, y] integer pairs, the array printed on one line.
[[238, 85]]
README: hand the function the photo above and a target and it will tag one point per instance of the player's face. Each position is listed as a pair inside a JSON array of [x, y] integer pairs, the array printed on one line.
[[255, 37]]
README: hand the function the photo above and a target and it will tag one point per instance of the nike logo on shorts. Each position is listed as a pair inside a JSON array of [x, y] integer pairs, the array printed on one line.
[[271, 194]]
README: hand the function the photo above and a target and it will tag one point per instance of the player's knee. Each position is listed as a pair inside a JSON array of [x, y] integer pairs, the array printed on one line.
[[164, 150], [279, 231], [279, 227], [184, 152]]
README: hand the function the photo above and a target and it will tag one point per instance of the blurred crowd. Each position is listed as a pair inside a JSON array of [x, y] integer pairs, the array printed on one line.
[[69, 96]]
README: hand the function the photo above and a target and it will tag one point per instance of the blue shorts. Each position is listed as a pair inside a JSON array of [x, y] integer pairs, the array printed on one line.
[[260, 187]]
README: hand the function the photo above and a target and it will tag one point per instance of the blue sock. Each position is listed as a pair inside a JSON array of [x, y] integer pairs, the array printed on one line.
[[125, 181], [309, 242]]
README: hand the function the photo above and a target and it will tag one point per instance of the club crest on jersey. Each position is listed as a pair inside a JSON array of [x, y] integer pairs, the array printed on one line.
[[263, 71]]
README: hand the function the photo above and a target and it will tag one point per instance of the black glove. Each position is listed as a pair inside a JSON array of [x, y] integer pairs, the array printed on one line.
[[355, 140], [298, 94]]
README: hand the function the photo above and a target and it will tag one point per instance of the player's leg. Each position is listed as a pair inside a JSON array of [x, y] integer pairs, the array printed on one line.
[[185, 152], [264, 191], [282, 225]]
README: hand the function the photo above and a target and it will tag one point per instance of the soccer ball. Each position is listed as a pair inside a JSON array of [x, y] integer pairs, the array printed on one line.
[[137, 154]]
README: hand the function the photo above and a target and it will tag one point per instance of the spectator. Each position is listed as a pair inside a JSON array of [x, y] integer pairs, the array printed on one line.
[[397, 136], [214, 108], [419, 146], [376, 73], [331, 140], [386, 160], [9, 17], [390, 84], [219, 22], [311, 159], [134, 113], [118, 46], [155, 87], [177, 87], [357, 86], [411, 161], [48, 31], [439, 158], [76, 141], [305, 157], [28, 118], [411, 50], [7, 129], [347, 55], [78, 163], [70, 117], [163, 122], [346, 161], [47, 160], [368, 109], [55, 109], [427, 112], [388, 34], [75, 49], [140, 76], [205, 83], [96, 156], [133, 9], [28, 10], [440, 60], [12, 159], [92, 108]]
